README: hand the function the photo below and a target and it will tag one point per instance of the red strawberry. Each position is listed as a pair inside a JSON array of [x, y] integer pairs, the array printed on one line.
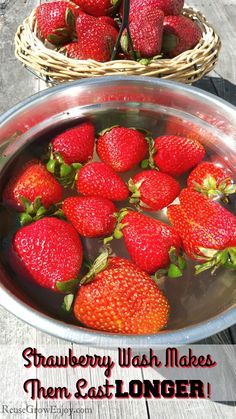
[[149, 242], [153, 190], [75, 145], [211, 180], [117, 262], [108, 20], [56, 21], [122, 148], [207, 230], [49, 251], [180, 34], [97, 7], [122, 299], [31, 182], [176, 155], [96, 39], [169, 7], [146, 32], [71, 50], [98, 179], [91, 216]]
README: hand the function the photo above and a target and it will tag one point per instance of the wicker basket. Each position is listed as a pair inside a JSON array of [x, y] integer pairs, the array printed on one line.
[[55, 68]]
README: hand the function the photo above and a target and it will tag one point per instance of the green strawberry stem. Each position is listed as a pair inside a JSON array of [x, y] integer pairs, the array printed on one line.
[[175, 268], [149, 162], [216, 258], [98, 266], [210, 188], [35, 211], [117, 234], [65, 174]]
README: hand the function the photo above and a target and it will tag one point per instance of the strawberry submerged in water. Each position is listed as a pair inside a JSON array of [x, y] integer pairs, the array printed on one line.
[[176, 155], [152, 245], [99, 179], [121, 299], [153, 190], [48, 252], [207, 230], [211, 180], [91, 216], [31, 182], [56, 21], [122, 148], [75, 145], [69, 150]]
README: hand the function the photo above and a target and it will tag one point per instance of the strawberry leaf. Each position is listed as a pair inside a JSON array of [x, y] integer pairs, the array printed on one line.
[[67, 287], [67, 303], [225, 258], [62, 32], [145, 164], [70, 18], [104, 131], [98, 266], [54, 39], [174, 271], [25, 219], [51, 166]]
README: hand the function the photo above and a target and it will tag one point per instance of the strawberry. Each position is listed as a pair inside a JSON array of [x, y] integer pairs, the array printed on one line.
[[97, 7], [71, 50], [49, 251], [180, 34], [75, 145], [121, 148], [31, 182], [153, 190], [176, 155], [211, 180], [96, 39], [56, 21], [98, 179], [91, 216], [108, 20], [168, 7], [122, 299], [68, 150], [207, 230], [146, 32], [151, 243]]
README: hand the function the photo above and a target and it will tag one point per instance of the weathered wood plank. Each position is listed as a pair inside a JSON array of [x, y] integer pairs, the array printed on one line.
[[221, 15]]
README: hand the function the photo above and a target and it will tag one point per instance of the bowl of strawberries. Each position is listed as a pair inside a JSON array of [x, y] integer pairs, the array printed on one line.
[[63, 40], [118, 221]]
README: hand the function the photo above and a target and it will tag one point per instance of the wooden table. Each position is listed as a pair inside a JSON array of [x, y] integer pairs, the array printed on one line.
[[17, 84]]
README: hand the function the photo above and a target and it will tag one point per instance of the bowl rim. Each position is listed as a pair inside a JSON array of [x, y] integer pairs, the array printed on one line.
[[96, 338]]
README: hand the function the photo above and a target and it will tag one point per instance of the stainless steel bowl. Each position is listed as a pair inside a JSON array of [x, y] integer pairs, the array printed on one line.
[[201, 306]]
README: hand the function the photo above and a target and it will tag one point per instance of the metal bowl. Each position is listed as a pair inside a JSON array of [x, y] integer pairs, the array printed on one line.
[[200, 306]]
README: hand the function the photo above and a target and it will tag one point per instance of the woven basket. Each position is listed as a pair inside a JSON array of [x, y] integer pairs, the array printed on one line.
[[55, 68]]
